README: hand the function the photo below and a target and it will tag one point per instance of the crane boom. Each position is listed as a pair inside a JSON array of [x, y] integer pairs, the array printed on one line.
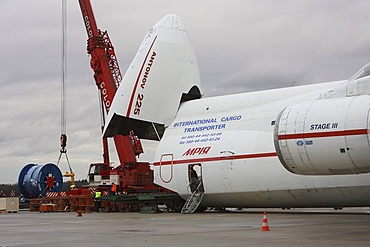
[[89, 19], [107, 74]]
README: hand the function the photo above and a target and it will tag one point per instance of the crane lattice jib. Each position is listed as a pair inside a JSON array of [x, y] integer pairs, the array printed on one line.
[[113, 63], [103, 61]]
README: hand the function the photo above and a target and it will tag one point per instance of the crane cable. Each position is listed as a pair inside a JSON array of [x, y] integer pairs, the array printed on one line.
[[63, 121]]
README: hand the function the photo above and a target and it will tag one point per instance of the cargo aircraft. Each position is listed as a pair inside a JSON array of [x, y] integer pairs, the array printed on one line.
[[301, 146]]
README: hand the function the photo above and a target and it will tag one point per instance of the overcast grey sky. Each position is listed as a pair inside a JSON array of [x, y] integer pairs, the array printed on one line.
[[241, 46]]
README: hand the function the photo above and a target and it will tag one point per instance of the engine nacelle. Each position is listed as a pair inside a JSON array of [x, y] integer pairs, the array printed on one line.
[[325, 137]]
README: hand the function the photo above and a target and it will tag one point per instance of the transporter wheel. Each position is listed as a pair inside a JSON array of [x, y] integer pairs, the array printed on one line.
[[338, 208], [176, 205]]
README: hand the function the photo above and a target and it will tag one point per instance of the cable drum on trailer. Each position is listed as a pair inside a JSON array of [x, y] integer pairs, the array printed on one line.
[[35, 180], [21, 176]]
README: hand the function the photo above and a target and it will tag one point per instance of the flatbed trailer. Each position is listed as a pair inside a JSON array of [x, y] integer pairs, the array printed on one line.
[[62, 203], [143, 202]]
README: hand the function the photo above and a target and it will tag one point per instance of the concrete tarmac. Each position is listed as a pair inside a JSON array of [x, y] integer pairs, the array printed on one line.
[[319, 227]]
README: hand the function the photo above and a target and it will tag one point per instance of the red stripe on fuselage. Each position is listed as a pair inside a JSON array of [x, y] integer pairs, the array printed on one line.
[[323, 134], [138, 78], [209, 159], [266, 155]]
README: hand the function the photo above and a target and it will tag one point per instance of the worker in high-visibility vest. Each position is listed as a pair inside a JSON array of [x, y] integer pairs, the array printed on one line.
[[97, 200], [113, 189]]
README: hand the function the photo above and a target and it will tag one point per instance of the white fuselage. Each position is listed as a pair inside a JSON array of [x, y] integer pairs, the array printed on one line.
[[230, 140], [248, 148]]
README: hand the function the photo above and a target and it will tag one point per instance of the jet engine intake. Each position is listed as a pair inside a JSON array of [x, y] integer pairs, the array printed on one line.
[[325, 136]]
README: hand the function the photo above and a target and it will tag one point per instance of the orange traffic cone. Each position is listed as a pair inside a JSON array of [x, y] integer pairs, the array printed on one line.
[[79, 213], [265, 225]]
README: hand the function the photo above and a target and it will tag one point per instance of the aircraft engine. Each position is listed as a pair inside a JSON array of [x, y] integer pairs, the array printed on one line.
[[325, 136]]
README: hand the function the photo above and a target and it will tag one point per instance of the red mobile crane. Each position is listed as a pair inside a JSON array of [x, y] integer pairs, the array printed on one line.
[[130, 175], [134, 179]]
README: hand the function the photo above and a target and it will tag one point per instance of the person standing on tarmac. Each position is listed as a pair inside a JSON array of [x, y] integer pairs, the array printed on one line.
[[113, 189], [97, 201]]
